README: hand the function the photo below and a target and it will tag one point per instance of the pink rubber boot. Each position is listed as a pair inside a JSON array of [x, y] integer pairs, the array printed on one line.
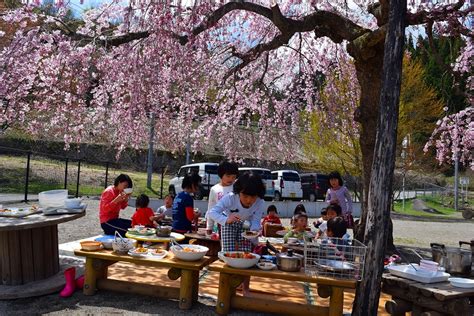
[[80, 282], [70, 276]]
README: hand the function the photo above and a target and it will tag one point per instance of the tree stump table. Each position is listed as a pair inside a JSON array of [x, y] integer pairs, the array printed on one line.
[[29, 247], [426, 299]]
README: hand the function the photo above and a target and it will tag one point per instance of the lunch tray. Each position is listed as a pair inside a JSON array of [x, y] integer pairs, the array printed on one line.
[[406, 271]]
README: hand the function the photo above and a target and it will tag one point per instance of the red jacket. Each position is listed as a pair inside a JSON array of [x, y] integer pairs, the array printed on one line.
[[271, 219], [142, 217], [107, 209]]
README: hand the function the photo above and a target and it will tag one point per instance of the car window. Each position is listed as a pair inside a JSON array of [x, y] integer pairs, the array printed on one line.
[[193, 170], [291, 176], [182, 172], [275, 176], [307, 179], [211, 169], [266, 175]]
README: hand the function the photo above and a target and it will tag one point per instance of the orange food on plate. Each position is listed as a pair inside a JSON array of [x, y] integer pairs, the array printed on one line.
[[239, 255], [188, 249], [141, 250]]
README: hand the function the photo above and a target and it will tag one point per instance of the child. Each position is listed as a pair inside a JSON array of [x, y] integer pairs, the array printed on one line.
[[322, 219], [339, 194], [228, 172], [165, 210], [183, 205], [271, 218], [143, 214], [244, 204], [333, 211], [299, 230], [337, 228], [299, 209]]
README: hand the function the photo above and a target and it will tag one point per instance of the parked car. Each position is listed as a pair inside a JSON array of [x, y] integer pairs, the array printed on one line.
[[315, 186], [208, 173], [287, 185], [267, 180]]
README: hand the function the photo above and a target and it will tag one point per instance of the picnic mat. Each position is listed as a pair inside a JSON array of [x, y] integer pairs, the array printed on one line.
[[296, 292]]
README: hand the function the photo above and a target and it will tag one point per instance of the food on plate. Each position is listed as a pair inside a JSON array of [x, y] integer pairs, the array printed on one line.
[[239, 255], [251, 233], [141, 250], [188, 249]]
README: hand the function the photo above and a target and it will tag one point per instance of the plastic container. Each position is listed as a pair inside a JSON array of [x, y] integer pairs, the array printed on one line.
[[73, 203], [53, 198]]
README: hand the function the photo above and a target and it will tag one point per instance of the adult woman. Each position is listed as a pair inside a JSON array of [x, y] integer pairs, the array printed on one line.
[[183, 205], [112, 201]]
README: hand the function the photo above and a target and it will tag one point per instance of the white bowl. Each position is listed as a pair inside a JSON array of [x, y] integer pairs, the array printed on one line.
[[73, 203], [128, 190], [462, 282], [266, 266], [238, 263], [197, 254], [106, 241]]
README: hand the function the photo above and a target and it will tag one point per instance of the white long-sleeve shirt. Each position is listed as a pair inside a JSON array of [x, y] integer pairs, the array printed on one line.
[[215, 195], [231, 202]]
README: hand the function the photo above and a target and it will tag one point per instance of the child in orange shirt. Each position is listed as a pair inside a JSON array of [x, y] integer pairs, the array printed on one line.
[[143, 214]]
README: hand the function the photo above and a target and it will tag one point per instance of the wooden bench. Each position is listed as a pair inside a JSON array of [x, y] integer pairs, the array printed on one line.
[[426, 299], [96, 276], [230, 278]]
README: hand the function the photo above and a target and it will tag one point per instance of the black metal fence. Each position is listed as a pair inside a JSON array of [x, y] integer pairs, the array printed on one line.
[[29, 172]]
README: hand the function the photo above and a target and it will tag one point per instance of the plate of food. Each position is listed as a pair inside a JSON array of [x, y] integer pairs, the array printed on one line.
[[250, 234], [142, 231], [138, 252], [281, 232], [266, 266], [19, 211]]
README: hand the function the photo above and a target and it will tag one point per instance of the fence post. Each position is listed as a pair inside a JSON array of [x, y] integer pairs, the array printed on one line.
[[78, 175], [106, 174], [27, 178], [65, 174], [161, 182]]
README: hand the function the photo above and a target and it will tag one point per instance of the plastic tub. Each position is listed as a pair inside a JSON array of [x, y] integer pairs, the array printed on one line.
[[53, 198]]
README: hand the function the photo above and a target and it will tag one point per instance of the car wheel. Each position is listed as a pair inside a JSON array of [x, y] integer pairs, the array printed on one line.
[[277, 196], [172, 191], [312, 197]]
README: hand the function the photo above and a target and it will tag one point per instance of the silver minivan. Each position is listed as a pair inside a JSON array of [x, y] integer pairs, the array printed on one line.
[[208, 173], [287, 185]]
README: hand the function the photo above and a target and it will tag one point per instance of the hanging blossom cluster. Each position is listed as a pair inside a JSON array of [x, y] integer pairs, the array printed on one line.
[[453, 138], [102, 80]]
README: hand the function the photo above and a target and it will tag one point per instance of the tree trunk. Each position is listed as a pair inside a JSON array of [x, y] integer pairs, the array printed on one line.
[[381, 179], [369, 75]]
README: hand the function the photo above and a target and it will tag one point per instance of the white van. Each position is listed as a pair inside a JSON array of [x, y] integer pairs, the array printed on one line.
[[208, 173], [287, 185], [266, 178]]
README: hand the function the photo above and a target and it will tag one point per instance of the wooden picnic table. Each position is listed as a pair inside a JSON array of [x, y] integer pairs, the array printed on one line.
[[230, 278], [206, 241], [432, 299], [97, 263], [29, 247]]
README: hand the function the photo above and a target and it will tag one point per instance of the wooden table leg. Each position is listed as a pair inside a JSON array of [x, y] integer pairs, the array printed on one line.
[[336, 302], [90, 277], [225, 293], [186, 289], [195, 286]]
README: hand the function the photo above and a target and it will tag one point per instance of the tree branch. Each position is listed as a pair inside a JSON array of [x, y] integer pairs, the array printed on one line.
[[438, 14]]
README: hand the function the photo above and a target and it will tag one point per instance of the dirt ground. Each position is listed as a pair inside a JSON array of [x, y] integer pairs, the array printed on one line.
[[410, 233]]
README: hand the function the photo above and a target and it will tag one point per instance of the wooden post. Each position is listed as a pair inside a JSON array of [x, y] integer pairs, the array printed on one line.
[[90, 284], [224, 295], [186, 289], [336, 302], [381, 179], [78, 177], [27, 176], [65, 174], [195, 286]]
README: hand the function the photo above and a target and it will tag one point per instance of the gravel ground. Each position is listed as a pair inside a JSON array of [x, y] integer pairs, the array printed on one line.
[[406, 232]]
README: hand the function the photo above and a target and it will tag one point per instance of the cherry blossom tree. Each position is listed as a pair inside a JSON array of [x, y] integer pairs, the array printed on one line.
[[239, 73]]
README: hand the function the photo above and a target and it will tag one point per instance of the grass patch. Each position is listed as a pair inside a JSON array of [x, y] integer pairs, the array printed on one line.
[[49, 175], [430, 203], [404, 241]]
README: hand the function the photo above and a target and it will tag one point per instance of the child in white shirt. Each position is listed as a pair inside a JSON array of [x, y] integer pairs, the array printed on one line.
[[228, 172]]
